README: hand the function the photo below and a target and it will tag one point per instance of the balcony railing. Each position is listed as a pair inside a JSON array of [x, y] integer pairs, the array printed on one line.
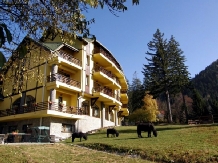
[[109, 56], [124, 105], [123, 91], [63, 79], [69, 58], [98, 68], [105, 90], [33, 107]]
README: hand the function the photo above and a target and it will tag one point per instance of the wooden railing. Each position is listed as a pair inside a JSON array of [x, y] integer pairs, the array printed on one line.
[[125, 106], [69, 58], [47, 105], [105, 90], [109, 56], [123, 91], [98, 68], [63, 79]]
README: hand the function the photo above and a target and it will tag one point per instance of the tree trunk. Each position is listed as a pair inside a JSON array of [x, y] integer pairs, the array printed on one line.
[[170, 119], [185, 108]]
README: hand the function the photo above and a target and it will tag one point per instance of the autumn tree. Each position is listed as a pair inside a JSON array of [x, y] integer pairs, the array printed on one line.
[[165, 72], [150, 107], [148, 112]]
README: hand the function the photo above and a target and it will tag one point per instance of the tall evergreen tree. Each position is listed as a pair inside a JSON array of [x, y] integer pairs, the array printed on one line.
[[165, 72], [135, 94], [198, 104]]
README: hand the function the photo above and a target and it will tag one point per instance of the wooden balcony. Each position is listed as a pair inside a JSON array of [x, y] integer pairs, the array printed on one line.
[[42, 108], [69, 58], [66, 60], [106, 77], [123, 91], [125, 106], [106, 94], [123, 96], [108, 61], [63, 81]]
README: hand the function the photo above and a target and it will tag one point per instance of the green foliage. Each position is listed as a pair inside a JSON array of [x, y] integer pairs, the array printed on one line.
[[165, 72], [139, 115], [2, 60], [198, 104], [60, 15], [5, 34], [135, 94], [206, 84]]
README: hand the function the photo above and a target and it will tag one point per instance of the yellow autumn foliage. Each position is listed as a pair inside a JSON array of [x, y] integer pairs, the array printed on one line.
[[148, 113], [150, 107]]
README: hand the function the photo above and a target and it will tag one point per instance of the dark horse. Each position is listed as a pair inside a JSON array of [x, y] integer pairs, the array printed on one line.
[[146, 127], [113, 132], [79, 135]]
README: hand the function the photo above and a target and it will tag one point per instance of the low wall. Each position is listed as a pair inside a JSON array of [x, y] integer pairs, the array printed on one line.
[[91, 123]]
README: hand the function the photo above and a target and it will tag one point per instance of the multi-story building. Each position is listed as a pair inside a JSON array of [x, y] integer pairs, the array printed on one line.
[[78, 86]]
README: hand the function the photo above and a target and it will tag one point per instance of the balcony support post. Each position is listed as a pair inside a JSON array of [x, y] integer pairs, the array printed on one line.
[[54, 69], [102, 114], [52, 99], [115, 118]]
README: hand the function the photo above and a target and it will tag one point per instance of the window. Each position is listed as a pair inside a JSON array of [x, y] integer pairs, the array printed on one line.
[[66, 128]]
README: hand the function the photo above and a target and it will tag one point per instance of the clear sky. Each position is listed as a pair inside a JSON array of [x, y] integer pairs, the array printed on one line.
[[193, 23]]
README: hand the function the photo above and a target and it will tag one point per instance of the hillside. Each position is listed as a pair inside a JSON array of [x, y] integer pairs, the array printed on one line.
[[206, 82]]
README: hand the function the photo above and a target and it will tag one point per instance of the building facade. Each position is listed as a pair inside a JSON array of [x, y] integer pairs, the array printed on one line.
[[74, 86]]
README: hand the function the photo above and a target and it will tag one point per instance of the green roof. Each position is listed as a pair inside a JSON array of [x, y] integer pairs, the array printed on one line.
[[51, 45]]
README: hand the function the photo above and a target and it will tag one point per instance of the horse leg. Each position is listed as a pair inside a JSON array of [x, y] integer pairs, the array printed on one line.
[[149, 133], [139, 134], [80, 138]]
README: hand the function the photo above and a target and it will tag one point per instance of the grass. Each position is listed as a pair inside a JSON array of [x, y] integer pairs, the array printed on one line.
[[57, 153], [175, 143]]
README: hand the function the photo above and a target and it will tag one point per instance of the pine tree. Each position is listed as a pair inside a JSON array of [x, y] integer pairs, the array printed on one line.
[[165, 72], [198, 104], [136, 93]]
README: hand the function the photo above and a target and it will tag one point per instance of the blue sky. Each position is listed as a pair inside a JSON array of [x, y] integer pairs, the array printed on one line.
[[193, 23]]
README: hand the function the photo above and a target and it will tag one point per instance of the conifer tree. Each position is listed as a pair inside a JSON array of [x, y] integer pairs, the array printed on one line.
[[165, 72], [135, 93], [198, 104]]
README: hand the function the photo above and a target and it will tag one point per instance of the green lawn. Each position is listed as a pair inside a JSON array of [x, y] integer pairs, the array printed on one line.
[[175, 143]]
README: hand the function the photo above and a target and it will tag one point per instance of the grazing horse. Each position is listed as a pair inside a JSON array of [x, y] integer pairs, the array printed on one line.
[[79, 135], [146, 127], [113, 132]]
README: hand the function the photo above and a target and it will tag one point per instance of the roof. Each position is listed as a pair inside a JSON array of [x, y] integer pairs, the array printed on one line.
[[52, 45]]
